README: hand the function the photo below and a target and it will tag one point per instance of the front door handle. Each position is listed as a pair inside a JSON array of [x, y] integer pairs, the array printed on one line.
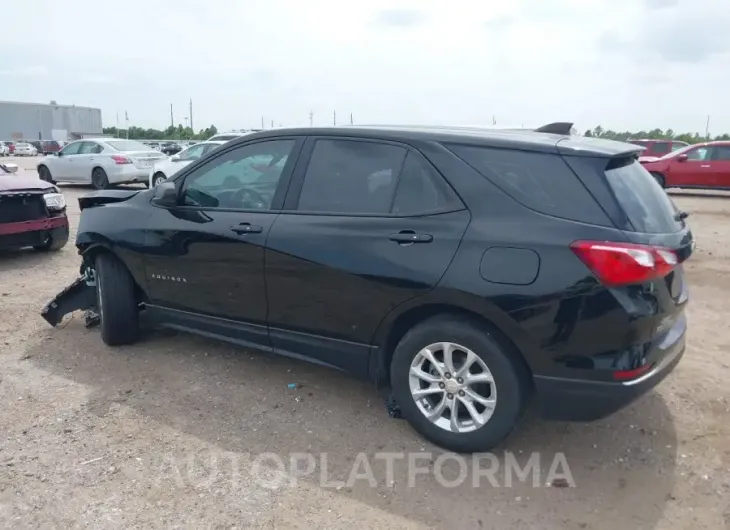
[[705, 165], [407, 237], [247, 228]]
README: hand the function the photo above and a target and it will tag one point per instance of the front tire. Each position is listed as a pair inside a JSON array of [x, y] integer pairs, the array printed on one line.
[[473, 387], [116, 302], [99, 179]]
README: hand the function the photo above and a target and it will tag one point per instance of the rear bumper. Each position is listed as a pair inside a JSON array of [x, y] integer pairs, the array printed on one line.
[[129, 173], [581, 400]]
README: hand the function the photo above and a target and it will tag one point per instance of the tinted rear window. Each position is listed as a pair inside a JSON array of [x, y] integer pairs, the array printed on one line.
[[540, 181], [646, 204]]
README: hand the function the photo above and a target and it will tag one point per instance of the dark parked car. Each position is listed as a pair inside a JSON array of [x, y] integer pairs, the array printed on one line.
[[462, 270], [171, 149], [32, 212]]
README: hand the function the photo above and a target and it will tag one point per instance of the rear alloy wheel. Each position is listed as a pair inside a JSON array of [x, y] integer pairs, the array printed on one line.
[[457, 385], [45, 174], [158, 178], [659, 178], [99, 179], [116, 301]]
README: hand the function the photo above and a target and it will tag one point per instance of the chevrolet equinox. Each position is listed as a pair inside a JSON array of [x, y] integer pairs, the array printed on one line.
[[465, 271]]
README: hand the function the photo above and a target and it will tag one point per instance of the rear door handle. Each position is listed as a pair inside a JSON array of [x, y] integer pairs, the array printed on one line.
[[246, 228], [705, 165], [406, 237]]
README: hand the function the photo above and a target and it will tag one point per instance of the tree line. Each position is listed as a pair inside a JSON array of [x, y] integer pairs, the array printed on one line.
[[171, 133], [654, 134]]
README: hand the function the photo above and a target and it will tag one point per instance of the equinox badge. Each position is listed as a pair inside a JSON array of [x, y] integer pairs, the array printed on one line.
[[166, 278]]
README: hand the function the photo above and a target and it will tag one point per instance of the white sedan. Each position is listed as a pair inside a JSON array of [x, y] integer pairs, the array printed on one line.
[[169, 166], [102, 162], [25, 149]]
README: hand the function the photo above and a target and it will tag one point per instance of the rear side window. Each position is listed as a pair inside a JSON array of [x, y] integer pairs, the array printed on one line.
[[348, 176], [540, 181], [421, 189], [646, 204]]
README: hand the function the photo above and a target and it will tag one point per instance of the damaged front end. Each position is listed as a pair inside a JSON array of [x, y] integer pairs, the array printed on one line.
[[79, 296]]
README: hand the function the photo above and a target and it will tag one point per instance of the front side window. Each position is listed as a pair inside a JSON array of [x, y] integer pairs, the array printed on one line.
[[349, 176], [699, 154], [244, 178], [72, 148]]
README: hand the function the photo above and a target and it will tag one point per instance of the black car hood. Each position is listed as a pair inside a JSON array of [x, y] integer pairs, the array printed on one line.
[[105, 197]]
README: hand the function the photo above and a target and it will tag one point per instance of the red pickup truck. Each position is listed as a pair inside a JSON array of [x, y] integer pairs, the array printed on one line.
[[657, 148]]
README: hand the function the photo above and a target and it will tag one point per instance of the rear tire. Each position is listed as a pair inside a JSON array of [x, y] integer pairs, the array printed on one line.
[[157, 178], [660, 179], [99, 179], [509, 387], [116, 301]]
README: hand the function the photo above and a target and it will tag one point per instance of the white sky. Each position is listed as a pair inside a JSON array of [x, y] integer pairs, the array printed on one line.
[[623, 64]]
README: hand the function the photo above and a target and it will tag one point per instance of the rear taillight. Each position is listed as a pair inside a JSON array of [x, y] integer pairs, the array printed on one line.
[[119, 159], [617, 264]]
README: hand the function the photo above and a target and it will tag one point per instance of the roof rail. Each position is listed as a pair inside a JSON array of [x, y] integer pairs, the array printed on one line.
[[559, 127]]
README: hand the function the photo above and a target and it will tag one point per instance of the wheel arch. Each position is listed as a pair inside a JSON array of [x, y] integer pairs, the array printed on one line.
[[91, 249], [402, 319]]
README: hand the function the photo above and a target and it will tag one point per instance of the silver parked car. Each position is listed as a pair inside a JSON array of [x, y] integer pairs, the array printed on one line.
[[102, 162]]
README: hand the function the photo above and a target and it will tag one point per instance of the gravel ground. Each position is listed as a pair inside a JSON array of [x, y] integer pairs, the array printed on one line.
[[174, 431]]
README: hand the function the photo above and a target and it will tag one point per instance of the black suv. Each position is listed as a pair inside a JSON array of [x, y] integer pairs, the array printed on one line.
[[463, 270]]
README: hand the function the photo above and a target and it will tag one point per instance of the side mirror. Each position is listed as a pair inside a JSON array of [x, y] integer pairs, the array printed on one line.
[[13, 168], [175, 158], [682, 157], [165, 194]]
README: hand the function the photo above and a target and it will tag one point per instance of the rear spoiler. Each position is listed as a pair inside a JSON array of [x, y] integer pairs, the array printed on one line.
[[560, 127]]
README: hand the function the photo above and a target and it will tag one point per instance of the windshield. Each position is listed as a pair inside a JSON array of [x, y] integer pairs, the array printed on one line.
[[127, 145]]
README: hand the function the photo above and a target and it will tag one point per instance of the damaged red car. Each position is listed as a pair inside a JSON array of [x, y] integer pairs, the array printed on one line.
[[32, 212]]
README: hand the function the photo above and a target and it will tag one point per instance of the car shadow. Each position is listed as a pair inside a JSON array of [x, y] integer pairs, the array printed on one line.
[[249, 403]]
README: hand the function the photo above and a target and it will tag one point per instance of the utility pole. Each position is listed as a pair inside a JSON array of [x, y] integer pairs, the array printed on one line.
[[191, 115], [311, 118], [172, 121], [334, 117], [272, 124], [126, 118], [707, 128], [351, 118]]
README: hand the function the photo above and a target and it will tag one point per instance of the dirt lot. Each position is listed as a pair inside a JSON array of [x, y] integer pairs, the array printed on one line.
[[169, 432]]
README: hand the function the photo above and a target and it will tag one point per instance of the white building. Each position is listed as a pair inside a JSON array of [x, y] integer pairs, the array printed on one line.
[[38, 121]]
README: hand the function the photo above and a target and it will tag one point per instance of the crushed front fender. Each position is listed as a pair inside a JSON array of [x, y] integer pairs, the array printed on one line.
[[77, 296]]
